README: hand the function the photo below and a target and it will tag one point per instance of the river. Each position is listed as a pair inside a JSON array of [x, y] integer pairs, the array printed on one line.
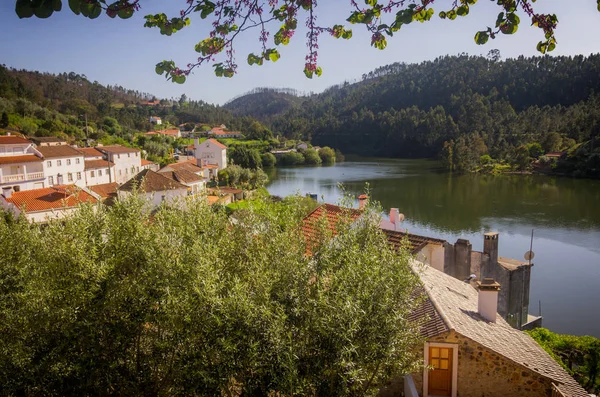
[[564, 214]]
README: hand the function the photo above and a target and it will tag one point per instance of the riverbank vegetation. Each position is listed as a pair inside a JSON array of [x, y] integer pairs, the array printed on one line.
[[193, 303], [579, 355]]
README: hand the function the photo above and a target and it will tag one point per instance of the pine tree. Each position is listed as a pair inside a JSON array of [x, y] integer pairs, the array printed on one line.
[[4, 120]]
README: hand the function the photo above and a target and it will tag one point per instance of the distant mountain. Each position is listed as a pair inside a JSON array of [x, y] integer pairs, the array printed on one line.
[[263, 103]]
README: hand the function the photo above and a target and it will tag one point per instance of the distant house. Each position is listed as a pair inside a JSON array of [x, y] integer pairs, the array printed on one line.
[[219, 132], [555, 155], [211, 152], [194, 182], [155, 120], [149, 165], [43, 205], [155, 102], [471, 351], [302, 146], [156, 187], [189, 166], [127, 161], [107, 191]]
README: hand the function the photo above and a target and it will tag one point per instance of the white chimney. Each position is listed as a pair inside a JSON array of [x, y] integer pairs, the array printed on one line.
[[8, 134], [7, 192], [487, 302], [362, 201]]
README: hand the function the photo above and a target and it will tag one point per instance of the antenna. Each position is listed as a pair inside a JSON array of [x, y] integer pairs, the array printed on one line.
[[529, 255]]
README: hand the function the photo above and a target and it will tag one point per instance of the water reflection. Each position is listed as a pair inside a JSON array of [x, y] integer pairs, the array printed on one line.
[[564, 213]]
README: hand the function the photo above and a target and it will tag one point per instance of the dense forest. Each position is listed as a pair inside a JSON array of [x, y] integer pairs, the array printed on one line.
[[472, 112]]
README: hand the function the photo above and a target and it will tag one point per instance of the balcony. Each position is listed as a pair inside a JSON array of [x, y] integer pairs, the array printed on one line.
[[21, 177]]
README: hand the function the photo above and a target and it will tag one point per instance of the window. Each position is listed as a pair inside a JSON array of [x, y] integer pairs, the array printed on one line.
[[59, 162], [93, 174], [99, 172], [136, 154], [70, 177], [118, 156], [163, 198], [107, 171], [126, 171], [128, 154], [133, 170], [51, 180], [77, 160], [120, 172], [137, 169], [49, 164], [17, 188], [68, 161], [79, 176]]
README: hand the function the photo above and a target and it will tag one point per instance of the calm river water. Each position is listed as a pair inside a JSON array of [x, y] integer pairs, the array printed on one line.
[[564, 213]]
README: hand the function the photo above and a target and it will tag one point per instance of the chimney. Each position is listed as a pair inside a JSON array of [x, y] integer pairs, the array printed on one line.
[[487, 302], [490, 246], [362, 201], [394, 216], [7, 192]]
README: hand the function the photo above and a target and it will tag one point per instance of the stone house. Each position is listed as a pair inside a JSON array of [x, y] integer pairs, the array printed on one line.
[[471, 351]]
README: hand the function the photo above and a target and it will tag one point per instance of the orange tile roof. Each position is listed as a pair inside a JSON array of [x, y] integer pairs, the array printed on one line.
[[219, 144], [147, 162], [189, 165], [53, 152], [95, 164], [56, 197], [12, 140], [333, 215], [413, 242], [149, 181], [106, 190], [213, 199], [90, 152], [26, 158], [213, 166], [169, 132]]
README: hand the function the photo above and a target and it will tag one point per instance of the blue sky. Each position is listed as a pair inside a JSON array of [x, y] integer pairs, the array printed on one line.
[[123, 52]]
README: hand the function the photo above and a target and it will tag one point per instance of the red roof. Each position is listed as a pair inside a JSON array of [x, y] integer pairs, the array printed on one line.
[[26, 158], [332, 215], [90, 152], [220, 131], [169, 132], [219, 144], [56, 197], [106, 190], [146, 162], [12, 140], [117, 149], [554, 154], [95, 164]]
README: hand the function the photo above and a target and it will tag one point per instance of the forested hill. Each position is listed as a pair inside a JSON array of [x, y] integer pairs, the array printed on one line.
[[411, 110], [262, 103]]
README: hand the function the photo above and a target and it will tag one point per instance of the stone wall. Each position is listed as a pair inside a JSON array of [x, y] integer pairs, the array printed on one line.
[[484, 373]]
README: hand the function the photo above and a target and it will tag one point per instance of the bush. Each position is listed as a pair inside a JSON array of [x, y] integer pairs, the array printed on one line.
[[292, 158], [327, 155], [268, 160], [312, 157]]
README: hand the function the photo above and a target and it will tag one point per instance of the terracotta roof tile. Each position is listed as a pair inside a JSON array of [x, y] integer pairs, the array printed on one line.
[[90, 152], [150, 181], [413, 242], [106, 190], [456, 303], [56, 197], [182, 176], [189, 165], [12, 140], [95, 164], [147, 162], [329, 213], [26, 158], [219, 144], [52, 152]]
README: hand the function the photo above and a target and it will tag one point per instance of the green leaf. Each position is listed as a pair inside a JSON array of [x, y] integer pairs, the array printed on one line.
[[95, 11], [319, 71], [57, 5], [75, 6], [125, 13], [347, 34], [513, 18], [462, 11], [23, 9], [370, 2], [274, 56], [159, 70], [481, 37], [45, 10], [443, 14]]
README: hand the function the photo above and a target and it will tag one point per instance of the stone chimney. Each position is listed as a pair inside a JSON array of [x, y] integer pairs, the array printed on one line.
[[7, 192], [362, 201], [487, 302], [490, 247]]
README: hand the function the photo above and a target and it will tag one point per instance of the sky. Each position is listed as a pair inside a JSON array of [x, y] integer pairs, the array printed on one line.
[[123, 52]]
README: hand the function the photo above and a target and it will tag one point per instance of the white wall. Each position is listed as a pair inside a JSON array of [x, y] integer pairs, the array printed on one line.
[[100, 176], [211, 152], [124, 162], [157, 198], [76, 168]]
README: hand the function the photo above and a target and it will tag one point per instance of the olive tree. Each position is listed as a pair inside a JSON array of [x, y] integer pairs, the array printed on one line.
[[125, 300]]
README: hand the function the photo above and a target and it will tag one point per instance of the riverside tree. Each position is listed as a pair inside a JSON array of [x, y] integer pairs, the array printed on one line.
[[122, 300], [277, 21]]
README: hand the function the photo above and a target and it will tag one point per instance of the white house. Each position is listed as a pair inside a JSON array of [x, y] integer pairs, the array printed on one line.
[[63, 165], [155, 120], [209, 152], [98, 170], [187, 165], [195, 182], [149, 165], [127, 161], [156, 187], [20, 164], [45, 204]]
